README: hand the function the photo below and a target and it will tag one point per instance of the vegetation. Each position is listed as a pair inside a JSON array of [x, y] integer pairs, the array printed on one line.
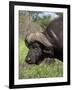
[[44, 70]]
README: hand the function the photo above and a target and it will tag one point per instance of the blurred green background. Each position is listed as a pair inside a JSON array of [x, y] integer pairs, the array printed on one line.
[[32, 21]]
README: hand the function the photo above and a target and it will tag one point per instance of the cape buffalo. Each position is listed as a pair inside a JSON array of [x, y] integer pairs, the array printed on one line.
[[46, 44]]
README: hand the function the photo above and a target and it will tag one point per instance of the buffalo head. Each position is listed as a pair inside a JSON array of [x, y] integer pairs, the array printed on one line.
[[37, 42]]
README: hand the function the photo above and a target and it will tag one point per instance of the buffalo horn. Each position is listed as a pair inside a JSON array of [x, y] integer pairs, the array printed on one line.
[[40, 37]]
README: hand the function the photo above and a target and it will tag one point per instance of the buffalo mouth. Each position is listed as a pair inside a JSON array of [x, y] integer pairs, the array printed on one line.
[[28, 60]]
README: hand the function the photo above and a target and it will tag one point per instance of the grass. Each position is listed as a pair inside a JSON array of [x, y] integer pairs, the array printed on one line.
[[43, 70]]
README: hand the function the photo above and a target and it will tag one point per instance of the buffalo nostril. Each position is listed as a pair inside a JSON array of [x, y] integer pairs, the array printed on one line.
[[29, 60]]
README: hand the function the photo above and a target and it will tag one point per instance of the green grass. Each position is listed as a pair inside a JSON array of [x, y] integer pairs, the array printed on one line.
[[43, 70], [23, 50]]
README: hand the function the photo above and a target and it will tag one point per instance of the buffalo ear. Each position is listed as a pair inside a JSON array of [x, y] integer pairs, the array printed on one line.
[[39, 37], [49, 52]]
